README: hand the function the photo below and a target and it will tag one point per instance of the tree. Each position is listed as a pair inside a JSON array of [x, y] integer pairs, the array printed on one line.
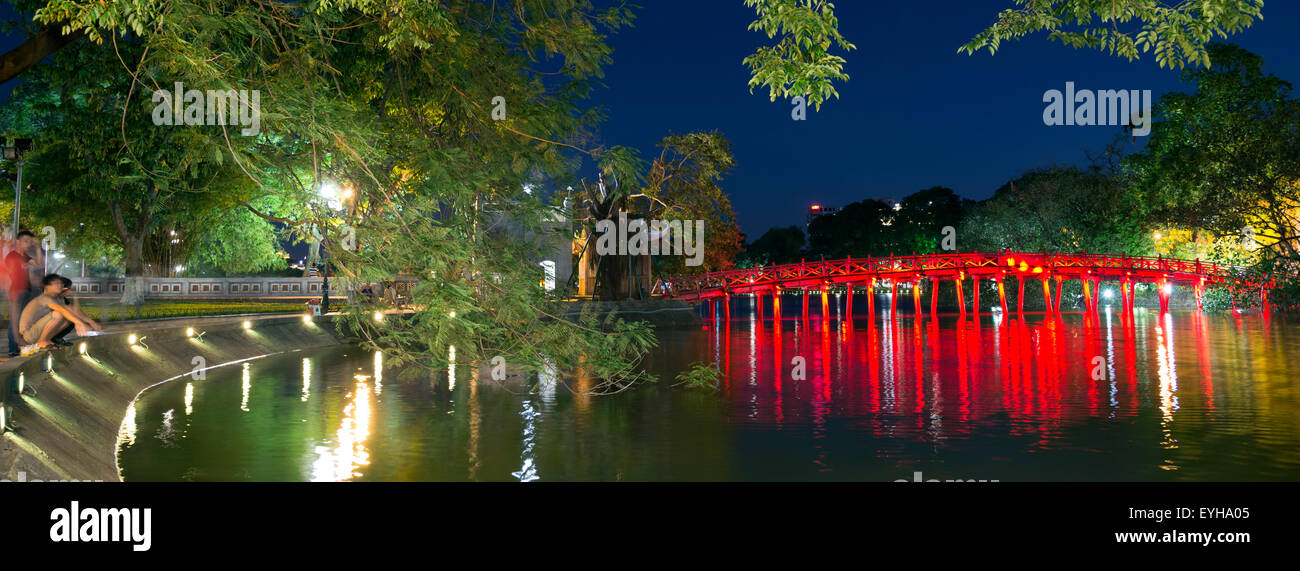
[[1059, 209], [776, 246], [801, 63], [684, 183], [1177, 32], [859, 229], [105, 169], [436, 116], [1225, 159]]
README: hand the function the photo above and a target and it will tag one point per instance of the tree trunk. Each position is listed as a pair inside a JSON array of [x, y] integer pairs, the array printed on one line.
[[133, 255]]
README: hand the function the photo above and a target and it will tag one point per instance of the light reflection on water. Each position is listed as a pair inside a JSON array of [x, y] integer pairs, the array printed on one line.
[[1183, 397]]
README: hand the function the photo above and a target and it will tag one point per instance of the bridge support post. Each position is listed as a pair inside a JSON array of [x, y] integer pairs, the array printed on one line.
[[826, 307], [961, 298], [712, 313], [1164, 296], [1200, 296], [805, 306], [1057, 306], [848, 304], [726, 307], [758, 306], [934, 298], [1002, 296], [1087, 296], [975, 295], [916, 297], [1020, 299], [1126, 297], [1047, 294], [871, 299], [776, 310], [893, 299]]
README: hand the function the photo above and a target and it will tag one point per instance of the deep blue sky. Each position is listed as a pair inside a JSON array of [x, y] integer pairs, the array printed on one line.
[[915, 114]]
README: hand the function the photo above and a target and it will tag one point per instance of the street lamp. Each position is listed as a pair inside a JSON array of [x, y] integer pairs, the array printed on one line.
[[333, 196], [15, 153]]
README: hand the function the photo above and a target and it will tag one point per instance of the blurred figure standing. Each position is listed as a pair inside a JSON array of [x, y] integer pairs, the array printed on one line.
[[18, 263]]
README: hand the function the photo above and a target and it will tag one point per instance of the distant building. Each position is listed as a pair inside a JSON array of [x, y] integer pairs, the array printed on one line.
[[816, 210]]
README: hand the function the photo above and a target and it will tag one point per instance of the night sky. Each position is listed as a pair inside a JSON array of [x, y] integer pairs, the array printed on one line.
[[915, 114]]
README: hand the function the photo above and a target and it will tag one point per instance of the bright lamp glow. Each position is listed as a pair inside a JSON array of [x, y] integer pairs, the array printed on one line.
[[248, 324], [1108, 294], [379, 316], [306, 319], [189, 331], [131, 339], [82, 348], [1169, 288]]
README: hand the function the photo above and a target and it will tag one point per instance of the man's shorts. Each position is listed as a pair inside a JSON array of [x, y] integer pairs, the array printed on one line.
[[33, 332]]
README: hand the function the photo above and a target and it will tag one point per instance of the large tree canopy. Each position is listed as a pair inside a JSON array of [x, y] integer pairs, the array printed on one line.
[[398, 131], [1176, 32]]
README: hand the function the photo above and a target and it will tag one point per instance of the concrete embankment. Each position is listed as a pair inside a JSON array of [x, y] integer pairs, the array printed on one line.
[[66, 422]]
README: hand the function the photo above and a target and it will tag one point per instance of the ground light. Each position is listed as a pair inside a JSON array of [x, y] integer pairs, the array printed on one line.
[[132, 339], [379, 316], [82, 349], [248, 324], [306, 319], [189, 331], [4, 419]]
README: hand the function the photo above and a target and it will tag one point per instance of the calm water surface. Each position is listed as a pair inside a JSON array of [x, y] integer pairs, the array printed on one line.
[[1183, 397]]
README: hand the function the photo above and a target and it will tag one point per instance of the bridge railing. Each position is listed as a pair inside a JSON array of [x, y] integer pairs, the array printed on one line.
[[921, 264]]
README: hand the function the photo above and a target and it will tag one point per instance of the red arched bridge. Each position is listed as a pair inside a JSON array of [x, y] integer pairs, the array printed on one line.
[[910, 271]]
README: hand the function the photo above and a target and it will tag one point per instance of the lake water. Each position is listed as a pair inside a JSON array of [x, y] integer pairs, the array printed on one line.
[[1179, 397]]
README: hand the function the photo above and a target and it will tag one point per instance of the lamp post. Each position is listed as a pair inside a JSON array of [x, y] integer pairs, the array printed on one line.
[[332, 195], [15, 153]]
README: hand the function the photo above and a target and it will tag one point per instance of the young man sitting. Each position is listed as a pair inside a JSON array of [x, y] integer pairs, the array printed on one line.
[[47, 315]]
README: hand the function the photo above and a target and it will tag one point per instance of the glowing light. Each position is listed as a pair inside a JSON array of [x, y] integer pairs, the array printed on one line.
[[82, 348], [306, 319], [816, 207], [345, 460], [451, 367], [452, 315], [1169, 288], [189, 399], [1108, 294], [306, 379], [246, 387], [131, 339], [189, 331], [248, 324], [379, 316], [1158, 236]]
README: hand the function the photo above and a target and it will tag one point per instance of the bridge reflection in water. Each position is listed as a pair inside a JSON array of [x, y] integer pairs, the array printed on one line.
[[1102, 386]]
